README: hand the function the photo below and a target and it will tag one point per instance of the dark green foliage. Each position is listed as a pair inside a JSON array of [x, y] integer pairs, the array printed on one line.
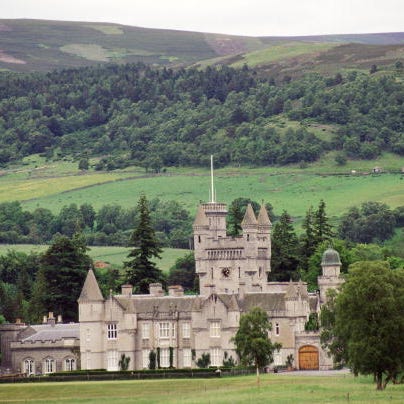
[[169, 118], [236, 214], [183, 273], [228, 361], [285, 250], [366, 323], [64, 268], [204, 361], [152, 360], [251, 340], [312, 323], [84, 163], [140, 269], [372, 222], [124, 362], [171, 357]]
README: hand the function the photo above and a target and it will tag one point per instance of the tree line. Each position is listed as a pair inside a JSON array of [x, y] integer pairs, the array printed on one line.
[[109, 225], [136, 114]]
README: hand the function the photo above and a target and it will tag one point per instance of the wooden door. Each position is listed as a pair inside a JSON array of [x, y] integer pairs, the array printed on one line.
[[308, 358]]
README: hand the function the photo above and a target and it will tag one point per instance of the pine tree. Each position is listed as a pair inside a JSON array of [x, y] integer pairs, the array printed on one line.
[[284, 259], [322, 228], [141, 270], [307, 240]]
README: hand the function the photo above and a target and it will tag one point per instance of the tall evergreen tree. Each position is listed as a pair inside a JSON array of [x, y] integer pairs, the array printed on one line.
[[64, 266], [322, 228], [307, 240], [140, 269], [285, 246]]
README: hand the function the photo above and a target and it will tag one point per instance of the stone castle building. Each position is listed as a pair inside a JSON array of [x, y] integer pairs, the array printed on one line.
[[180, 328]]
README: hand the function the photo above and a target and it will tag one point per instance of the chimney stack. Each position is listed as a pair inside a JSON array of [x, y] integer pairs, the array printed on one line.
[[156, 289], [126, 290]]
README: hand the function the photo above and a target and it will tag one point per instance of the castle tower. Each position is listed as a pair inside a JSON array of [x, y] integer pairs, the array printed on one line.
[[91, 314], [331, 269]]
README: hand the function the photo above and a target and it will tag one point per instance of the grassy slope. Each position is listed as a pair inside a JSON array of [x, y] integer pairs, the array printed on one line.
[[37, 45], [281, 388], [290, 188]]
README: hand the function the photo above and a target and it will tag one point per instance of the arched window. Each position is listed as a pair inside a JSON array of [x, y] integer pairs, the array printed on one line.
[[70, 364], [277, 330], [29, 367], [50, 365]]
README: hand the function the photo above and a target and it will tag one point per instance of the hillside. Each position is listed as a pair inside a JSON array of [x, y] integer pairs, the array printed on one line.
[[39, 45]]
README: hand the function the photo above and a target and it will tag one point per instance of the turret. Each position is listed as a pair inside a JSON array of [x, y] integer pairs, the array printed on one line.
[[331, 269]]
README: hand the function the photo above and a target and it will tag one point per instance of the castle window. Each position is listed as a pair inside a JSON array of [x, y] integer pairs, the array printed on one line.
[[248, 237], [199, 239], [164, 357], [50, 365], [215, 357], [215, 329], [186, 330], [69, 364], [187, 358], [164, 329], [112, 331], [146, 330], [112, 360], [145, 358], [277, 330], [29, 367]]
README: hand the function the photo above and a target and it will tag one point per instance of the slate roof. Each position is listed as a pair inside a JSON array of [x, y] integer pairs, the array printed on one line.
[[266, 301], [91, 291], [48, 332], [249, 217], [146, 303], [263, 218]]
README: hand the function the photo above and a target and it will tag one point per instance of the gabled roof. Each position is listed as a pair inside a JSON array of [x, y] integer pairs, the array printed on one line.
[[91, 291], [263, 218], [200, 218], [249, 217]]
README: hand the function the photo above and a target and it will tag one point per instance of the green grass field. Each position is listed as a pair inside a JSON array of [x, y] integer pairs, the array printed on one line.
[[273, 389], [111, 255], [57, 184]]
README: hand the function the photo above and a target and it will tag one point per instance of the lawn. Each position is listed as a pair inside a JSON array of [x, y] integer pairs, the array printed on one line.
[[274, 389]]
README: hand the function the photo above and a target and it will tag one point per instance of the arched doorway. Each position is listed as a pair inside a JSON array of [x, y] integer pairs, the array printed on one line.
[[308, 358]]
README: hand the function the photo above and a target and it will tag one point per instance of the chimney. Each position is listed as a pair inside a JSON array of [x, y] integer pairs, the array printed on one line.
[[51, 319], [44, 320], [60, 318], [175, 290], [126, 290], [156, 289]]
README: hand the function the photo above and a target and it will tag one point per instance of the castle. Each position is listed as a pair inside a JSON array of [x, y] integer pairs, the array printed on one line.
[[179, 328]]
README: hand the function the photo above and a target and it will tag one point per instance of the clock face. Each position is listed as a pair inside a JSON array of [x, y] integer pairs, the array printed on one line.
[[226, 272]]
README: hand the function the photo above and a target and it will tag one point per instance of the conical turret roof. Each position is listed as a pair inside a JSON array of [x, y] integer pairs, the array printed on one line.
[[263, 218], [200, 218], [249, 217], [91, 291]]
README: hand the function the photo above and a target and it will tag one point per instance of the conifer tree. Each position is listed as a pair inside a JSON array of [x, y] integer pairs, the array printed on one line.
[[140, 269], [284, 259], [322, 228]]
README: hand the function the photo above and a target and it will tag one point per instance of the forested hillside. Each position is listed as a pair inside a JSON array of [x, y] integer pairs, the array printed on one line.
[[135, 114]]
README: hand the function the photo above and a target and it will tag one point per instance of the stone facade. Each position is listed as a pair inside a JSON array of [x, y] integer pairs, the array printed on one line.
[[179, 328], [40, 349]]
